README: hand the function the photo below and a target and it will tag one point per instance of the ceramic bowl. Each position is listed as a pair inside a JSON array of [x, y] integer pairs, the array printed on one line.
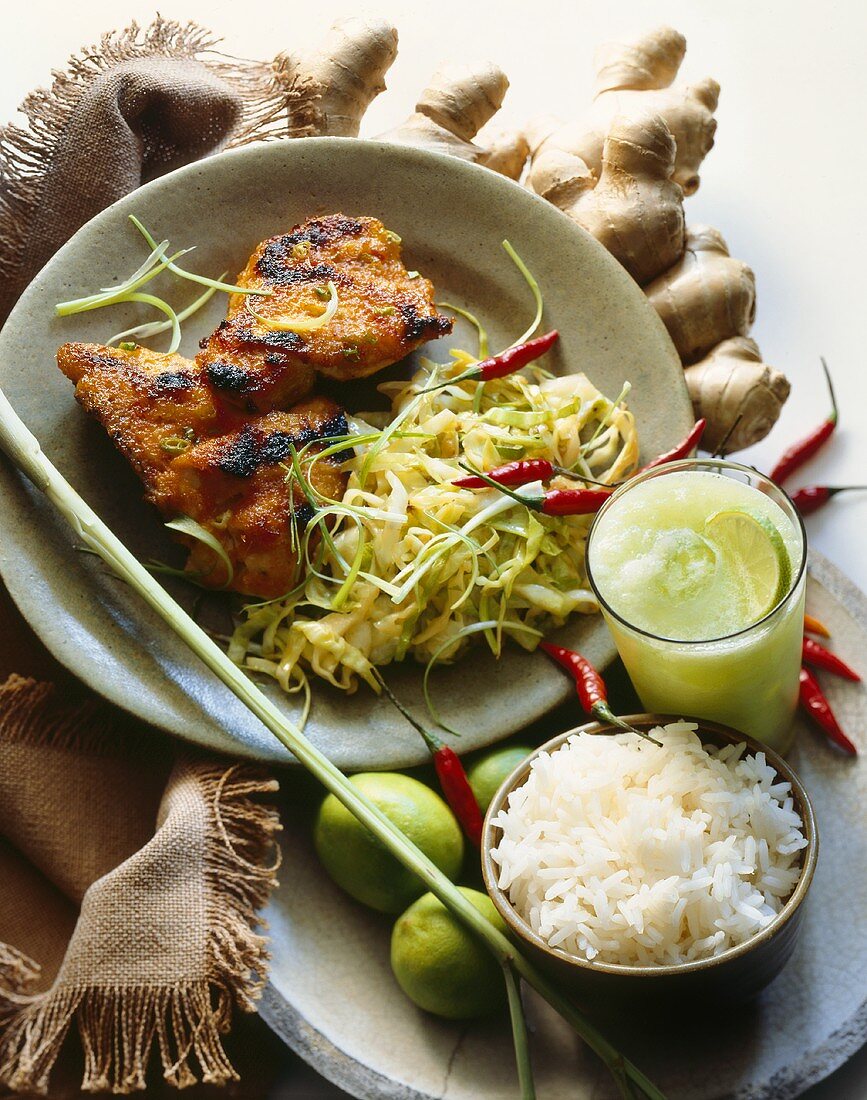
[[735, 975]]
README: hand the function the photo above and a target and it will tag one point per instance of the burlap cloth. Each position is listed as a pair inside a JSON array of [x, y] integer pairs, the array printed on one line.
[[131, 870]]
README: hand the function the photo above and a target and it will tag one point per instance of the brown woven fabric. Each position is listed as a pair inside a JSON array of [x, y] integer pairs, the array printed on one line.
[[124, 112], [168, 854]]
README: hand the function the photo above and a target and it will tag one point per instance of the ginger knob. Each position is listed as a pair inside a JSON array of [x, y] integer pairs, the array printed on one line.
[[706, 297], [651, 61], [452, 109], [731, 382], [635, 210], [506, 150], [638, 76], [345, 73]]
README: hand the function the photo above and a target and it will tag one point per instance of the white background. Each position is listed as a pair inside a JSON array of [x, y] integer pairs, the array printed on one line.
[[785, 182]]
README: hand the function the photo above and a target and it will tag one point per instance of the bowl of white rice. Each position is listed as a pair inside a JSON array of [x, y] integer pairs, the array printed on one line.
[[638, 871]]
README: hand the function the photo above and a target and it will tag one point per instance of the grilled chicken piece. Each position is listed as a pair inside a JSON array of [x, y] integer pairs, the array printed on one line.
[[383, 313], [214, 463]]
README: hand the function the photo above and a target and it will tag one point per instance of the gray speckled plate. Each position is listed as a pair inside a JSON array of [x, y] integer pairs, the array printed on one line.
[[452, 217], [333, 999]]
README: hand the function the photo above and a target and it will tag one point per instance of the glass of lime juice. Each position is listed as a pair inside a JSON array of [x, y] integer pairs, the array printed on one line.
[[699, 568]]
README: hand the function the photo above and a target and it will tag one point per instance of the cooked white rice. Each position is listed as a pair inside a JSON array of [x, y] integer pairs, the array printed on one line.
[[623, 852]]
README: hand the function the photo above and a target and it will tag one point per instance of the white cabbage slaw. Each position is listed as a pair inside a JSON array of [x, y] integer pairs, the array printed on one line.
[[409, 565]]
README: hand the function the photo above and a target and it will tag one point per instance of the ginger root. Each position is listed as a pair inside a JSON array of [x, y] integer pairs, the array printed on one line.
[[622, 173], [451, 110], [630, 76], [635, 210], [506, 150], [733, 382], [345, 73], [706, 296]]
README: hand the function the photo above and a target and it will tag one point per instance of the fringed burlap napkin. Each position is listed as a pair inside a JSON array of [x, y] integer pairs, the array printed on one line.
[[132, 873], [130, 870], [123, 112]]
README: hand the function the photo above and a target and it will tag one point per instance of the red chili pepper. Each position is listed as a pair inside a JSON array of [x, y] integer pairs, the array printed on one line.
[[812, 497], [569, 502], [796, 455], [689, 442], [450, 771], [512, 359], [507, 362], [513, 473], [813, 701], [816, 626], [590, 687], [815, 654], [458, 792], [551, 502], [521, 472]]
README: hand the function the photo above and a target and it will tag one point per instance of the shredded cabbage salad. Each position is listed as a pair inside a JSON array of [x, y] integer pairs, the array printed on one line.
[[409, 565]]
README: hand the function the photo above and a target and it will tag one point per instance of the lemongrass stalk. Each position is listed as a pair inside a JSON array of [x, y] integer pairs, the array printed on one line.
[[519, 1036], [23, 448]]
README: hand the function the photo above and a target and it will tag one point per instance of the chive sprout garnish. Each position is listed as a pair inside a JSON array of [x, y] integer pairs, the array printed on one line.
[[114, 295], [175, 444], [191, 276], [164, 307], [189, 527], [535, 290], [453, 643], [474, 321], [300, 324], [128, 290], [154, 328]]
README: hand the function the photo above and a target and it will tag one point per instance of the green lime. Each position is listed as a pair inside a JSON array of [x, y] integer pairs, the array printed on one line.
[[442, 966], [489, 771], [755, 552], [360, 864]]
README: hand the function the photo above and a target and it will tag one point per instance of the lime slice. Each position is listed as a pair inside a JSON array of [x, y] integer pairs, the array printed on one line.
[[754, 550]]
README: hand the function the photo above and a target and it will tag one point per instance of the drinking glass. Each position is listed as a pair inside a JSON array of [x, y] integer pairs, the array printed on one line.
[[747, 679]]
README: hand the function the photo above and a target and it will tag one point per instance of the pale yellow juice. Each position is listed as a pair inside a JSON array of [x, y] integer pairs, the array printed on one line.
[[699, 574]]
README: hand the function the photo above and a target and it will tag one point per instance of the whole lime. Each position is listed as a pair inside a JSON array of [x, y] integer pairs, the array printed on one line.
[[489, 771], [441, 965], [360, 863]]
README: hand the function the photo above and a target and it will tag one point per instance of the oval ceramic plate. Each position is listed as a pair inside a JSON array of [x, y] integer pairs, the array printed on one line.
[[333, 999], [452, 217]]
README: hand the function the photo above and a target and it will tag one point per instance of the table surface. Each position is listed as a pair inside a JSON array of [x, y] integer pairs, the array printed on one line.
[[783, 183]]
